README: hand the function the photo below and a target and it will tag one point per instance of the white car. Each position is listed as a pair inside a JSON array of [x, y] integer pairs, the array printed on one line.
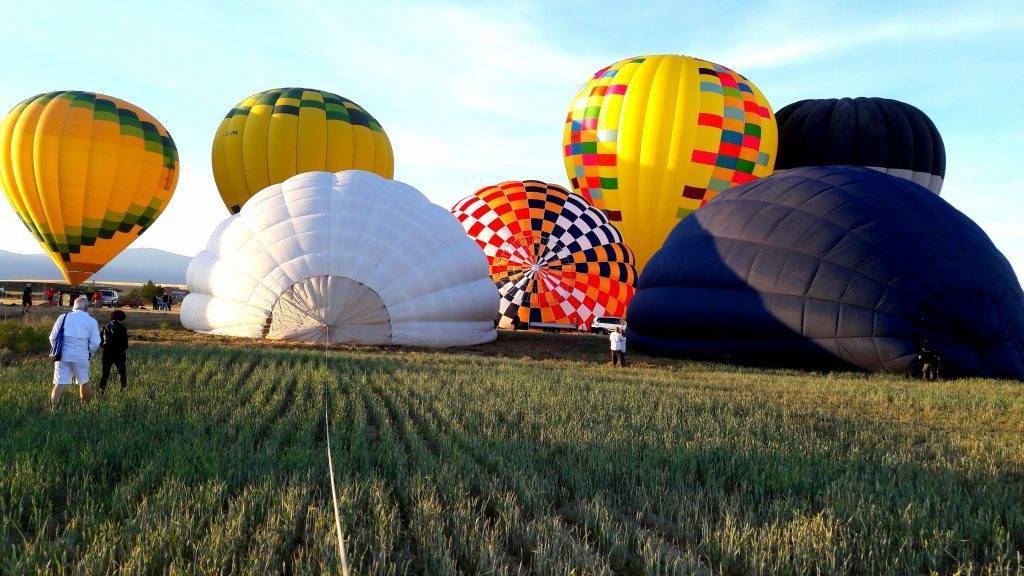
[[605, 324], [109, 297]]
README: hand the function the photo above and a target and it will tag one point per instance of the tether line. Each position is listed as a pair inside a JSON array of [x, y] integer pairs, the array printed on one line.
[[330, 460]]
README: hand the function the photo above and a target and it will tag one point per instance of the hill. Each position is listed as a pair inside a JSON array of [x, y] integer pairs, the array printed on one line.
[[132, 265]]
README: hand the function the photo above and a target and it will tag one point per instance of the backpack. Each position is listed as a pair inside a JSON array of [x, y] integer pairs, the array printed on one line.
[[58, 341]]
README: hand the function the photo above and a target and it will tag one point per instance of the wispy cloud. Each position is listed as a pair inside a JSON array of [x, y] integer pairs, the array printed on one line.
[[792, 35]]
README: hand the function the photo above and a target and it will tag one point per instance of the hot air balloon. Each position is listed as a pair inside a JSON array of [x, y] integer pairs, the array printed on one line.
[[87, 174], [274, 135], [832, 267], [342, 258], [885, 135], [554, 256], [651, 139]]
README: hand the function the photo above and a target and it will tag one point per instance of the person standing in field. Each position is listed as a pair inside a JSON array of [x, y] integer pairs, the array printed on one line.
[[81, 340], [618, 345], [26, 299], [114, 341]]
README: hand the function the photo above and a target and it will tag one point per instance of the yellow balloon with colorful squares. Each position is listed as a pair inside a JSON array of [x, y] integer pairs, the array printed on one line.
[[651, 139], [87, 174]]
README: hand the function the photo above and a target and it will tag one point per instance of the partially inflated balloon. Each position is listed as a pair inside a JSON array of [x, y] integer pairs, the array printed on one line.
[[274, 135], [87, 174], [554, 257], [651, 139]]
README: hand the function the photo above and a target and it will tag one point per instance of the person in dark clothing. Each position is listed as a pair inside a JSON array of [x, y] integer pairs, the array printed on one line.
[[156, 301], [26, 299], [114, 341], [930, 363]]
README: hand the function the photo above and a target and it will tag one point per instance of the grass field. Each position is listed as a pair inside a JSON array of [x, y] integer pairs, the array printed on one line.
[[529, 455]]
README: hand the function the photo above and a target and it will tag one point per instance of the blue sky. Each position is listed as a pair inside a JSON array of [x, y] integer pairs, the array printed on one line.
[[472, 94]]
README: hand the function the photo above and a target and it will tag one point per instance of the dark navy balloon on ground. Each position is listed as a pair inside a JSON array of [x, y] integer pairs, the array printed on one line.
[[832, 267]]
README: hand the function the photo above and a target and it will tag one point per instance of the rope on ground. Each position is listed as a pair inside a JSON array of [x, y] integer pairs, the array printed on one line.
[[330, 460]]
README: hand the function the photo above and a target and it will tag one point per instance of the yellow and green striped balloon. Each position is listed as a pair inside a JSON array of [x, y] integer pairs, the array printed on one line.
[[87, 174], [274, 135]]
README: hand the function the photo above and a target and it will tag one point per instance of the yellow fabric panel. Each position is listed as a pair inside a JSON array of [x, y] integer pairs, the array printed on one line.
[[129, 173], [311, 144], [340, 146], [254, 156], [7, 169], [104, 152], [383, 159], [363, 158], [24, 172], [73, 138], [44, 161], [630, 155], [233, 159], [661, 133], [282, 137]]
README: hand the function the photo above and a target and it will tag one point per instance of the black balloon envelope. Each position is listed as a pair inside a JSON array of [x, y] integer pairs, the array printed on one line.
[[832, 267], [883, 134]]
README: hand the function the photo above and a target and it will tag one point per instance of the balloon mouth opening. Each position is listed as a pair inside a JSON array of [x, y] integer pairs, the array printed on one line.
[[329, 309]]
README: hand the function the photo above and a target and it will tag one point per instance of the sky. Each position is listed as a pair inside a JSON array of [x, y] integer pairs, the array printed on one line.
[[475, 93]]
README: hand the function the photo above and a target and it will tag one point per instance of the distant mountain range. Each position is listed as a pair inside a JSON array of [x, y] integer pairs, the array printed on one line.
[[133, 265]]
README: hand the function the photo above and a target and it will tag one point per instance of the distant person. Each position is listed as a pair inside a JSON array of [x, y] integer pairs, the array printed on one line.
[[167, 302], [49, 295], [114, 341], [26, 299], [930, 361], [156, 302], [97, 299], [617, 339], [81, 340]]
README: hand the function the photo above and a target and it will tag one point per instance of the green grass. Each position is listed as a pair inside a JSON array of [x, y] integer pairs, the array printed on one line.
[[503, 460]]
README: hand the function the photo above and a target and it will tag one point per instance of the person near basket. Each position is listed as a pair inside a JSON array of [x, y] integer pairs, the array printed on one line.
[[80, 335]]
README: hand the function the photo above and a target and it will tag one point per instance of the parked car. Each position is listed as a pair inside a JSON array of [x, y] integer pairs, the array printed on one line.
[[109, 297], [605, 324]]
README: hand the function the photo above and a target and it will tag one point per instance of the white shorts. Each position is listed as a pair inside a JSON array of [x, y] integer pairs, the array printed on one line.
[[65, 373]]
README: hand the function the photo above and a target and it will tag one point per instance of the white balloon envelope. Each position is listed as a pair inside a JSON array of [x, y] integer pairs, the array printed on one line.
[[342, 258]]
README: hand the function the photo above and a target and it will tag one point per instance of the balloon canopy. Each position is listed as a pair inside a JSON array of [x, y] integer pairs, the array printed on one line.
[[274, 135], [651, 139], [344, 258], [554, 257], [885, 135], [87, 174], [832, 267]]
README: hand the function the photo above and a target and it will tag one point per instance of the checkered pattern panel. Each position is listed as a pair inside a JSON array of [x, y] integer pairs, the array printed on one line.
[[553, 255], [738, 130]]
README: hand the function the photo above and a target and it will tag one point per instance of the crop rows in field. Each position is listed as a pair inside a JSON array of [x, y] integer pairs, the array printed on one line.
[[213, 462]]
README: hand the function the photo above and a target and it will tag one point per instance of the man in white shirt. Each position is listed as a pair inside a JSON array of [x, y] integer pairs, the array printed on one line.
[[81, 341], [618, 345]]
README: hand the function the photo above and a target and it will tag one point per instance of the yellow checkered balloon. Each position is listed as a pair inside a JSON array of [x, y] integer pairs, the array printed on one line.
[[651, 139]]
